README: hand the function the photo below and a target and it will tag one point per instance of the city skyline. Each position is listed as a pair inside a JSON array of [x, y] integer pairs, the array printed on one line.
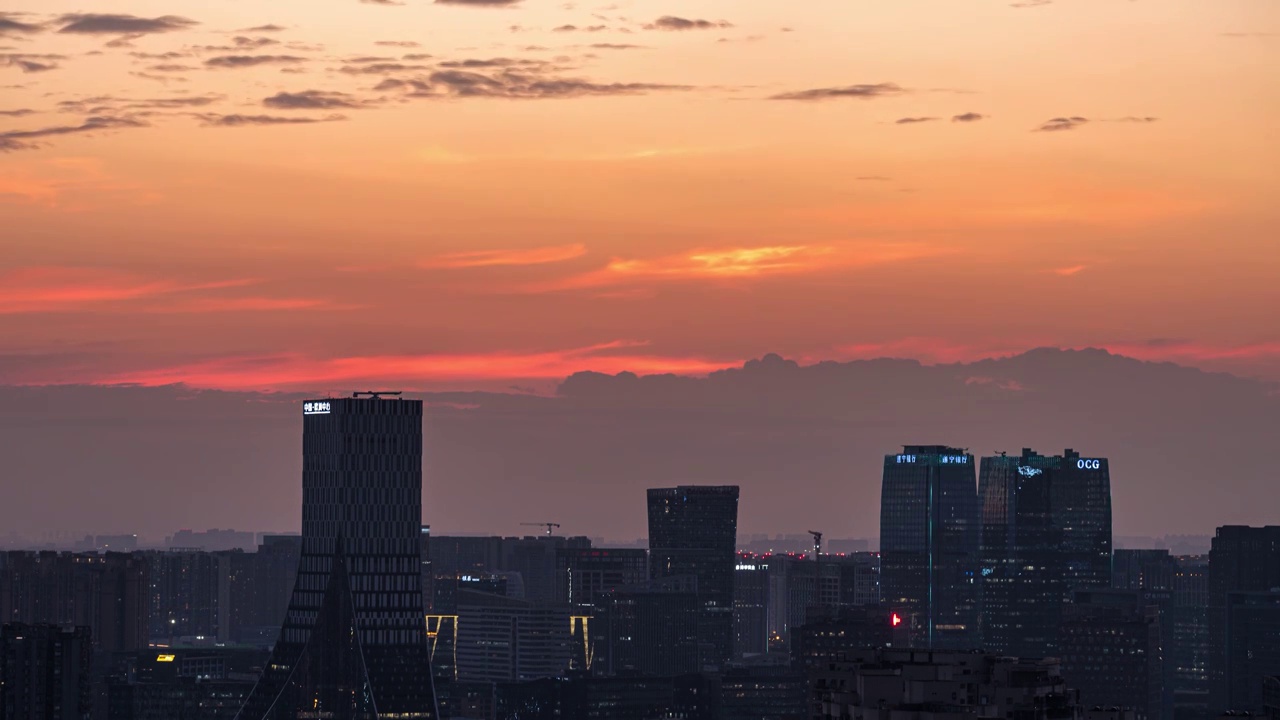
[[516, 191], [151, 460]]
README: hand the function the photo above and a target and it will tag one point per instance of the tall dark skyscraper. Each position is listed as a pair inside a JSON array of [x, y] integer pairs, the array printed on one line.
[[1046, 533], [929, 539], [693, 532], [353, 645]]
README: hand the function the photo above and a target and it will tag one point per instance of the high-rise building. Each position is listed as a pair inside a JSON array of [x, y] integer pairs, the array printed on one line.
[[929, 540], [1046, 533], [693, 532], [1242, 560], [44, 672], [354, 642]]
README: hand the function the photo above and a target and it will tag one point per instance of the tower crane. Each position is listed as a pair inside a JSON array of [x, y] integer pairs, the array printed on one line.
[[548, 525], [817, 544]]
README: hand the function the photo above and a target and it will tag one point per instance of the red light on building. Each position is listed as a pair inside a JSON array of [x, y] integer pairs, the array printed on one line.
[[895, 620]]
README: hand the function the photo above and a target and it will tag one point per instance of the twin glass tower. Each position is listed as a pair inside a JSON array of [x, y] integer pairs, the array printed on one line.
[[987, 558], [354, 645]]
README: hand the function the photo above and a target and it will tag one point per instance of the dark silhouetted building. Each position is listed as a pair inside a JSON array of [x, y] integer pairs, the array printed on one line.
[[263, 591], [502, 639], [354, 639], [1143, 570], [190, 595], [845, 634], [1252, 648], [763, 693], [905, 684], [588, 575], [1046, 532], [929, 541], [651, 629], [692, 697], [1111, 651], [107, 593], [693, 532], [182, 684], [1187, 646], [750, 606], [1242, 560], [44, 672]]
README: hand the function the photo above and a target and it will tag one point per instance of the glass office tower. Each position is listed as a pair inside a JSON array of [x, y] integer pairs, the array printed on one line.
[[929, 540]]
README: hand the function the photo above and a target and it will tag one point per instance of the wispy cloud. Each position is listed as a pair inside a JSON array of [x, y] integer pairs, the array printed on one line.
[[1071, 270], [860, 92], [311, 100], [72, 289], [21, 139], [491, 258], [674, 23], [115, 24], [741, 263], [1062, 124]]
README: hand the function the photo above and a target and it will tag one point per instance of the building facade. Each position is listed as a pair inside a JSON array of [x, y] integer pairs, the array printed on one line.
[[929, 542]]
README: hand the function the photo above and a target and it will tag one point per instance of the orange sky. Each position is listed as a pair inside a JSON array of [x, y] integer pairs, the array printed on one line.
[[319, 194]]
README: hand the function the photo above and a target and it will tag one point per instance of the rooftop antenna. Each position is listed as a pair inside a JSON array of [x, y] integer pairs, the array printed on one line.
[[377, 394]]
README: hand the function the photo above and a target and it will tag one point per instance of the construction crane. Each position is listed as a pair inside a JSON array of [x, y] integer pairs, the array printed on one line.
[[817, 543], [548, 525], [817, 568]]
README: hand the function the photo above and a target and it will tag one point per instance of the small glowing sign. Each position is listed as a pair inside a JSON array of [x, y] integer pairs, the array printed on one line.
[[954, 459], [744, 567], [165, 658], [1025, 471], [988, 572], [895, 620], [316, 408], [906, 459], [1089, 464]]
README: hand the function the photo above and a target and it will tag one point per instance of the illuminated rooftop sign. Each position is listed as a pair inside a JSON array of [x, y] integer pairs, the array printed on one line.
[[164, 658], [1089, 464], [942, 459], [316, 408], [895, 620], [1025, 471]]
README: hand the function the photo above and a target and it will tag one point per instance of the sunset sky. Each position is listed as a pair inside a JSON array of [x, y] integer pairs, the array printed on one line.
[[328, 194]]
